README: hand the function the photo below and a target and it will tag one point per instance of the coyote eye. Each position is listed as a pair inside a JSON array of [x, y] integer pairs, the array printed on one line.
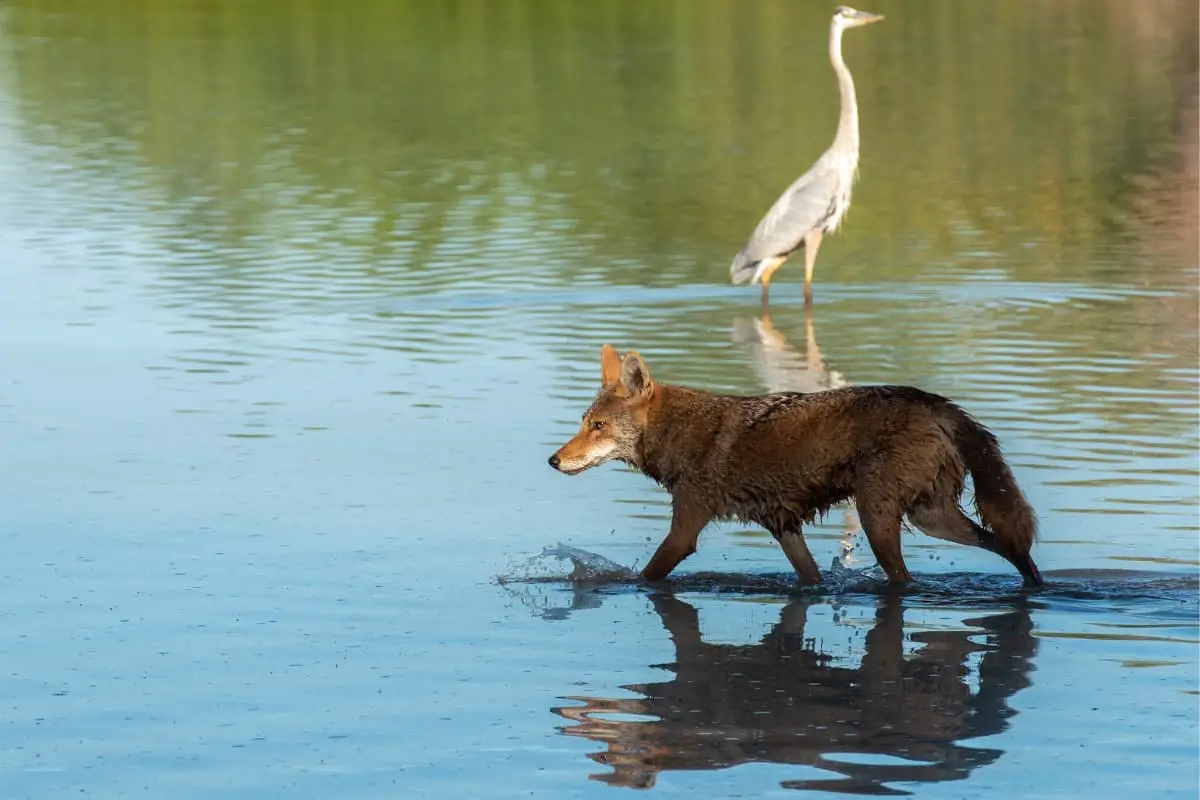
[[597, 425]]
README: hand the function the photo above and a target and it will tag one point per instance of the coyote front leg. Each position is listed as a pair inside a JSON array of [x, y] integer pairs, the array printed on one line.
[[686, 524], [791, 539]]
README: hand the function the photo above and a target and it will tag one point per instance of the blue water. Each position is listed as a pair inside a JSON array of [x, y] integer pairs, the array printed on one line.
[[297, 300]]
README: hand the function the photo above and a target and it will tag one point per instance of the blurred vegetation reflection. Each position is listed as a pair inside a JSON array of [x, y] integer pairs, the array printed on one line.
[[438, 141]]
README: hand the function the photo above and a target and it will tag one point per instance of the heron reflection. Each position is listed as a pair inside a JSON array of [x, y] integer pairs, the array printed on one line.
[[784, 700], [781, 366]]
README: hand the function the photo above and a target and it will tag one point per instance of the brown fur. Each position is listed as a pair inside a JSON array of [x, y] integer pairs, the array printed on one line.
[[779, 460]]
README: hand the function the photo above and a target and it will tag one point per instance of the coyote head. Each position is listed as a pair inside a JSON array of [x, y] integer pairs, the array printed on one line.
[[612, 427]]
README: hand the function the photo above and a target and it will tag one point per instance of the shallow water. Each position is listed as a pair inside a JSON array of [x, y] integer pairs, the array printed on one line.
[[299, 297], [851, 688]]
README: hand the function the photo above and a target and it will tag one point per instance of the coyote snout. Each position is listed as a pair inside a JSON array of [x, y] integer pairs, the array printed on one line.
[[576, 456], [588, 448]]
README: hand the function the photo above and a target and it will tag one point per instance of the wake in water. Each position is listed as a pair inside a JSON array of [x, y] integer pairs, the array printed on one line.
[[591, 569], [588, 569], [562, 566]]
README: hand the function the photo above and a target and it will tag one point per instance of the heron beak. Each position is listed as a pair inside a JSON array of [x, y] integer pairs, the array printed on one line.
[[866, 18]]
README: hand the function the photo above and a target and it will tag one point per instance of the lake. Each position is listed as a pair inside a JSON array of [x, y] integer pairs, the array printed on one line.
[[298, 297]]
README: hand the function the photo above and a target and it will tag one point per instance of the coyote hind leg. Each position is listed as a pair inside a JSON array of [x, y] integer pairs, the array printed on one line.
[[880, 520], [947, 521]]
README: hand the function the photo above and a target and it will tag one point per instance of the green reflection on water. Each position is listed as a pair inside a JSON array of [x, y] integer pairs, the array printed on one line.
[[651, 135]]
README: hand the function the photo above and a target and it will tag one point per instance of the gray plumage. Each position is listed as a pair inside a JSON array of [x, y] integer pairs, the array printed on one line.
[[816, 202]]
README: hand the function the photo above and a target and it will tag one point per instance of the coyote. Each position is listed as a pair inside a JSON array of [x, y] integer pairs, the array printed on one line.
[[778, 460]]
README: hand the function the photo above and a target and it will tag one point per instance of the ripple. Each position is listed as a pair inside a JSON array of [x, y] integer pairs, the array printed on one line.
[[282, 361], [591, 571]]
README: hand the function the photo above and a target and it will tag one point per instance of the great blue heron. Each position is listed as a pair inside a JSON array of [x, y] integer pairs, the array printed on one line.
[[815, 203]]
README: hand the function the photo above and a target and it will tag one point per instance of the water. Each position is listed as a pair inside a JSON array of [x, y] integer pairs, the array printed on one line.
[[299, 297]]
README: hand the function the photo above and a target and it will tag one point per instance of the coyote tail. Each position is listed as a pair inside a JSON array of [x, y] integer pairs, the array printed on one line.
[[1000, 503]]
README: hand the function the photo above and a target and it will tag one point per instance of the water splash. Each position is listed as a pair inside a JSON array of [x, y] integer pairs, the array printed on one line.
[[848, 547], [586, 568], [584, 578], [844, 578]]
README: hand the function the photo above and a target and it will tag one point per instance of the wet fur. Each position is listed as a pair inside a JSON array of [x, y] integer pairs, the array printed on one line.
[[780, 460]]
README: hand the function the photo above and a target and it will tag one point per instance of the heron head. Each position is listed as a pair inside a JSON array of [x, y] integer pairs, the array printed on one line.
[[846, 17]]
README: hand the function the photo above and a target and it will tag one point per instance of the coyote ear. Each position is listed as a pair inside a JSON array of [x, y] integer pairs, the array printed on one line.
[[610, 365], [635, 375]]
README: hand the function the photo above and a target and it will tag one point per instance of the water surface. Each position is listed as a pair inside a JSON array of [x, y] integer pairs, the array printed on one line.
[[298, 297]]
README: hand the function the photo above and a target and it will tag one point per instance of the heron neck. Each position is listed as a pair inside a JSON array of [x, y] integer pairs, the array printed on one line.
[[847, 131]]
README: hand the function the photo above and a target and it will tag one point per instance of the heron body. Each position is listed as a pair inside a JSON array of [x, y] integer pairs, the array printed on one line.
[[817, 201]]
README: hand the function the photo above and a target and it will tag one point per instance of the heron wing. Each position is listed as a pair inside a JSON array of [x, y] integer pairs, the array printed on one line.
[[799, 210]]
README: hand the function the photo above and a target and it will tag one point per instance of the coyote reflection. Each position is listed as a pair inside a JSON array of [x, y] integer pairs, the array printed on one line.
[[783, 701]]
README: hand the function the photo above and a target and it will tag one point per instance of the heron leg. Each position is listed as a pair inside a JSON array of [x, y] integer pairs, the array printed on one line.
[[766, 271], [812, 243]]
